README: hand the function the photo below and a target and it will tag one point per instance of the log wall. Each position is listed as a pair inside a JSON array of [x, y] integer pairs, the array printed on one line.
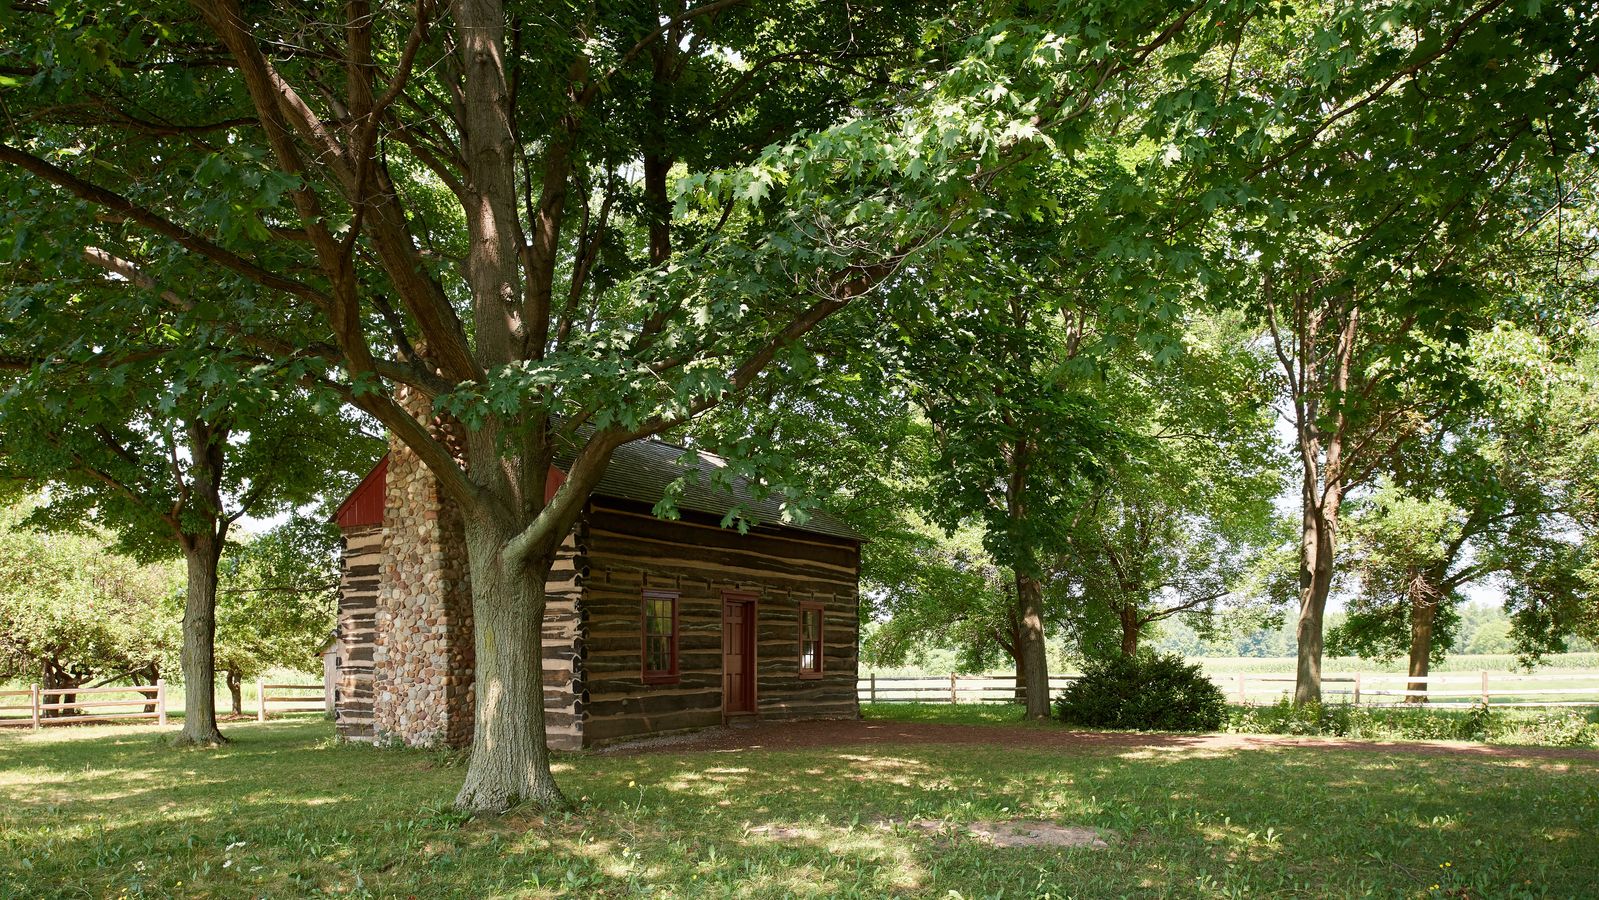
[[564, 691], [630, 551], [358, 592]]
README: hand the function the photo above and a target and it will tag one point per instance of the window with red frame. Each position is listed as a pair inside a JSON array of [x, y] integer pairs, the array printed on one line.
[[660, 636], [810, 658]]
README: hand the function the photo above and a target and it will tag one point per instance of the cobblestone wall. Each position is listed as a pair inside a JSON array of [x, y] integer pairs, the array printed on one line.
[[422, 656]]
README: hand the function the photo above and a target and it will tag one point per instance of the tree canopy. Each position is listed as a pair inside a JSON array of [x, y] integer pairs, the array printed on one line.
[[507, 231]]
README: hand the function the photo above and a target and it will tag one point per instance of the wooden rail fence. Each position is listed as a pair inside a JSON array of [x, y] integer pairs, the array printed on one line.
[[288, 695], [1454, 689], [148, 701], [948, 688], [41, 701]]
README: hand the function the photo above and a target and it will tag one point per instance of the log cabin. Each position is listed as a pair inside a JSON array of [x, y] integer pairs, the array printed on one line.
[[651, 626]]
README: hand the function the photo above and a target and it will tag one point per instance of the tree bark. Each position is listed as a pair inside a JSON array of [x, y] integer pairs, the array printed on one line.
[[510, 762], [1130, 629], [235, 680], [1423, 615], [1324, 473], [150, 674], [200, 555], [56, 677], [1035, 663], [1317, 541]]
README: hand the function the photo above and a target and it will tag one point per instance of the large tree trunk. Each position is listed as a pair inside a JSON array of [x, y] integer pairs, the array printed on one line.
[[200, 555], [1423, 615], [1035, 662], [1317, 539], [510, 762], [1130, 629]]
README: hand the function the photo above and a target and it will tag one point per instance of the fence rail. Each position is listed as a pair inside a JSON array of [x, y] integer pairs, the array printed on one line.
[[1454, 689], [43, 701], [288, 696]]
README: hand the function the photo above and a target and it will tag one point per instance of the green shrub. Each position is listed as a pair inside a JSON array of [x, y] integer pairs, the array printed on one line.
[[1155, 693], [1484, 723], [1568, 728]]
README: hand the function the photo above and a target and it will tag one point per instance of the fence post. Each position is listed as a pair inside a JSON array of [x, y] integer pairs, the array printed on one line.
[[1485, 695], [33, 702], [260, 700], [1242, 697], [952, 697], [874, 687], [1357, 688], [161, 701]]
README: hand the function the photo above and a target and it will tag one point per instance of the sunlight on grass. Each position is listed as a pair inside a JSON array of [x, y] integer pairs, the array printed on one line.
[[285, 812]]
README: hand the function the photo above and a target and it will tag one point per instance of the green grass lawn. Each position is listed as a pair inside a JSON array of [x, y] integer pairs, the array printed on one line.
[[284, 811]]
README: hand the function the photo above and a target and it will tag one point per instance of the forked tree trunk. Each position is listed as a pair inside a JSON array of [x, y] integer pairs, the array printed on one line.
[[1130, 629], [200, 555], [510, 762], [1423, 616], [59, 677], [1010, 639], [1035, 662], [150, 675], [1317, 542]]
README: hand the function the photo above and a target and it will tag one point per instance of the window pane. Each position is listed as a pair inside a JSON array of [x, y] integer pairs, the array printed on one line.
[[808, 658], [660, 616], [813, 624], [659, 654], [660, 640]]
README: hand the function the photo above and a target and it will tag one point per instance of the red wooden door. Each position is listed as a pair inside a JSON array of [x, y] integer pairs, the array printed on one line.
[[738, 656]]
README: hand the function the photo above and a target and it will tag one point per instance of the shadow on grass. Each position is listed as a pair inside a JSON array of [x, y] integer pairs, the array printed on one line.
[[284, 811]]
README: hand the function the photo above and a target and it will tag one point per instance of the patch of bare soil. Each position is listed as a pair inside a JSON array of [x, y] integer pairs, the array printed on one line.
[[854, 733], [1008, 833], [1035, 833]]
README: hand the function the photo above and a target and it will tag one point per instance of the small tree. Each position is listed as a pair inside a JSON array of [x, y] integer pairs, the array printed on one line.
[[165, 453], [74, 612], [276, 601], [1177, 525], [1501, 493]]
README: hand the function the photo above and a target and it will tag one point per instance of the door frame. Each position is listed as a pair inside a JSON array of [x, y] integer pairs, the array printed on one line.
[[751, 630]]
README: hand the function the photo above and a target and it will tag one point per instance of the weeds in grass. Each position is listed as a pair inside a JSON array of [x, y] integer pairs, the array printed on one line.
[[1557, 728]]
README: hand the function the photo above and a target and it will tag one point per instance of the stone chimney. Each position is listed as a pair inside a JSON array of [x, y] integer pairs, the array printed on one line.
[[422, 659]]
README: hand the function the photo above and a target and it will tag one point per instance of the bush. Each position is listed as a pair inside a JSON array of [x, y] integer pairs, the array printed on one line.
[[1406, 723], [1155, 693], [1562, 729]]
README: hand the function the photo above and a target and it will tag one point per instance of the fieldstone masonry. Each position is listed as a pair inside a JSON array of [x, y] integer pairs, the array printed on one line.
[[422, 656]]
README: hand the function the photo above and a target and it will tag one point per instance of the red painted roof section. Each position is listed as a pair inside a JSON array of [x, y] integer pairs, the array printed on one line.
[[364, 506], [553, 482]]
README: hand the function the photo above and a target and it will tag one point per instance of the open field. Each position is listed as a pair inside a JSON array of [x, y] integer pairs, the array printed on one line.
[[1332, 665], [284, 811]]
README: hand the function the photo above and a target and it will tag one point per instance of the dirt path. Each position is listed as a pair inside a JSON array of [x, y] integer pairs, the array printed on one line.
[[806, 735]]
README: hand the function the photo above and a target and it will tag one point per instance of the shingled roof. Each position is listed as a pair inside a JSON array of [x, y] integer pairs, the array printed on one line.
[[642, 470], [639, 471]]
